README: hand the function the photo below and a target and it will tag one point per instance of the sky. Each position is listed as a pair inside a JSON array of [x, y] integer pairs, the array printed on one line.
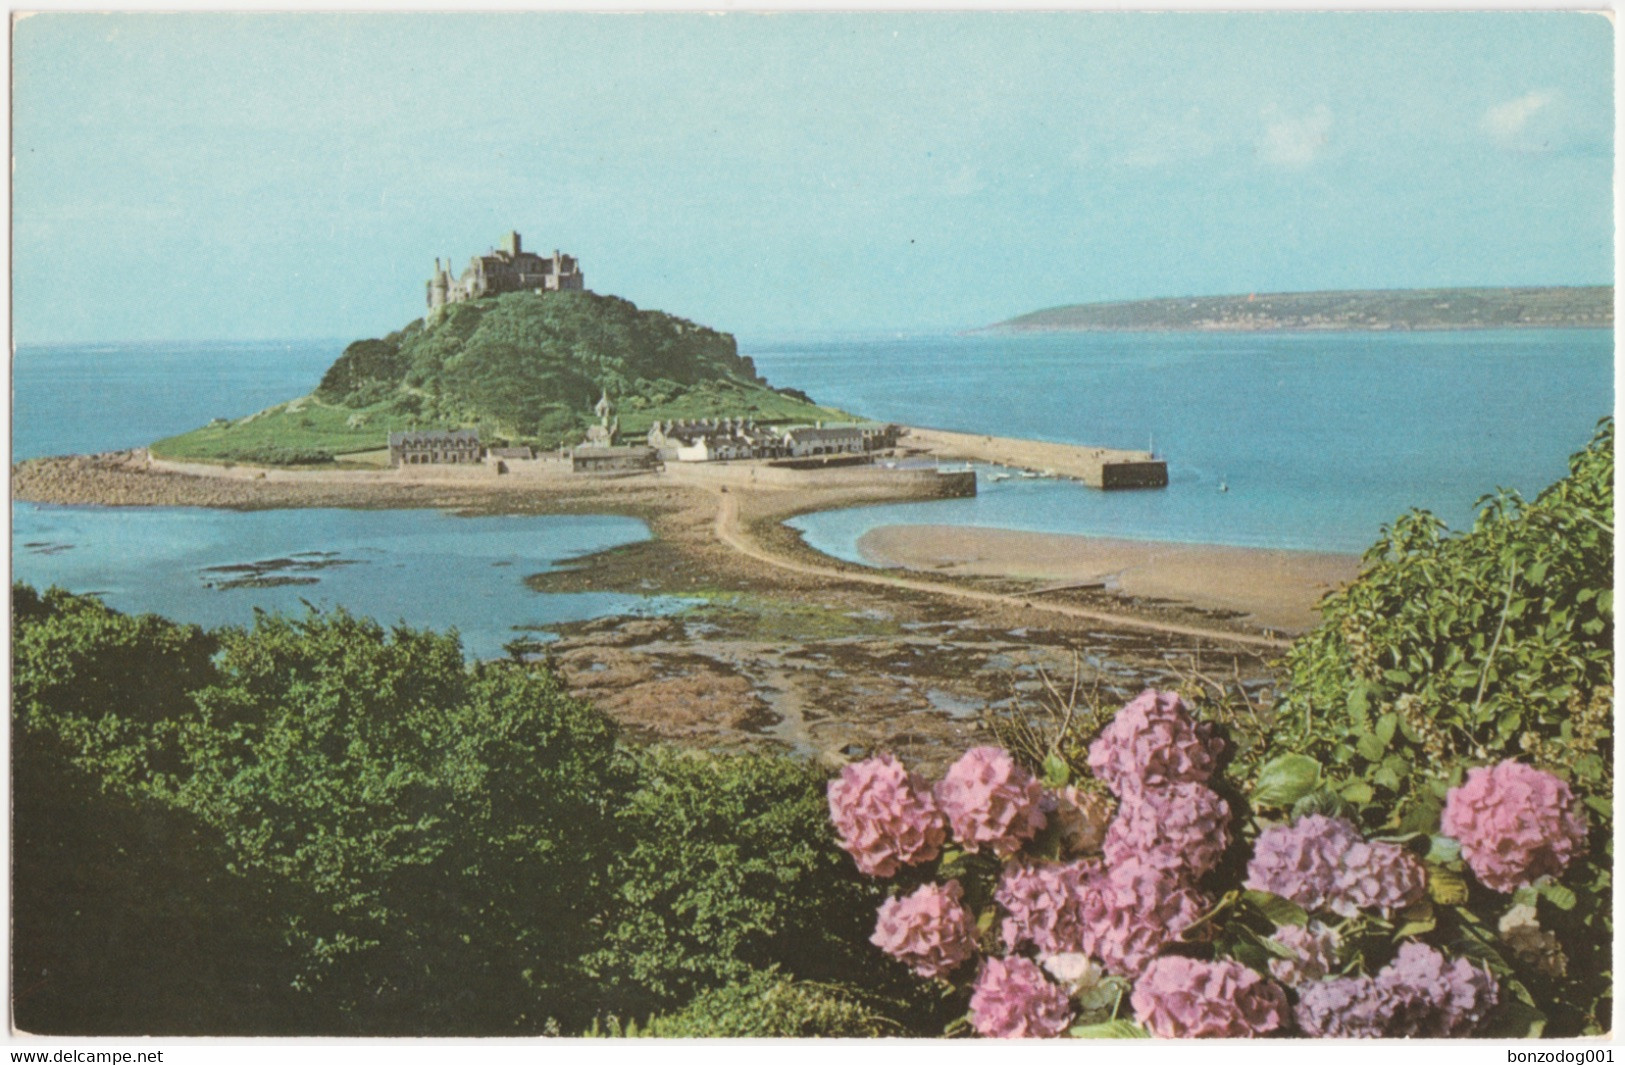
[[243, 176]]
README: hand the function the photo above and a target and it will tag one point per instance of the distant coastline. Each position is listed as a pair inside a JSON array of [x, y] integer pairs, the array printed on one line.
[[1398, 310]]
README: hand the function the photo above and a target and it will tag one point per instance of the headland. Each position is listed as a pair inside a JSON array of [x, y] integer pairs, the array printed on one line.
[[1580, 307]]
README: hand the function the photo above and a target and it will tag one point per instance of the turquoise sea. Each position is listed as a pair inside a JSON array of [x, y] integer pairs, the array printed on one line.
[[1319, 439]]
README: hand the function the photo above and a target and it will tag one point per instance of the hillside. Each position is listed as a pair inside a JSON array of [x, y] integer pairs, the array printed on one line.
[[525, 367], [1400, 309]]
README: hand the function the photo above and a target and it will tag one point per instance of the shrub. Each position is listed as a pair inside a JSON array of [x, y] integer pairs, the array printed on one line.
[[767, 1005], [726, 870]]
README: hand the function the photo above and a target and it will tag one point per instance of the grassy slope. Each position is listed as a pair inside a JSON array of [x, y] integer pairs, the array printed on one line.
[[1480, 308], [539, 352]]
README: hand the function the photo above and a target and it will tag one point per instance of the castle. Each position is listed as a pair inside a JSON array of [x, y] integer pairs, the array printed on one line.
[[506, 269]]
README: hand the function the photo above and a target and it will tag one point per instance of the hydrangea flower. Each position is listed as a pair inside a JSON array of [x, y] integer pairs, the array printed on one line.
[[1045, 904], [1183, 998], [1315, 947], [990, 801], [1151, 743], [1131, 910], [1323, 863], [1515, 823], [885, 816], [1349, 1007], [1182, 828], [1425, 995], [1012, 1000], [1302, 861], [1379, 876], [1079, 818], [930, 930]]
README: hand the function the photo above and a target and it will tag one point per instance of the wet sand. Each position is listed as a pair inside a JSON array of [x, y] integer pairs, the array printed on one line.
[[1275, 589]]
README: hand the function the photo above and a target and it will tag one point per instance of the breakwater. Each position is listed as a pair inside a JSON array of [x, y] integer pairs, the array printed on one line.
[[1098, 467]]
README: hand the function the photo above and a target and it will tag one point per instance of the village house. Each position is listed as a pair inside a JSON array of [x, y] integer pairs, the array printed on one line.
[[611, 459], [506, 269], [713, 440], [802, 441], [434, 447]]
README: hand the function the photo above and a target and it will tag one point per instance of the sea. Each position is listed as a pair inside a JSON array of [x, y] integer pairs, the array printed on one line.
[[1287, 441]]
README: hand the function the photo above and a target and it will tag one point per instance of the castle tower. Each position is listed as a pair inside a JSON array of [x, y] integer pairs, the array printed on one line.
[[511, 244]]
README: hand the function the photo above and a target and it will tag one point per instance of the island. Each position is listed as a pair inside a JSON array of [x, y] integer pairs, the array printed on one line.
[[522, 391], [1588, 307]]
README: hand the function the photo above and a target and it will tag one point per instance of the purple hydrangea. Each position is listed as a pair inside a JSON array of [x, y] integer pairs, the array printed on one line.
[[1183, 998], [1515, 824], [1045, 904], [1315, 948], [1131, 910], [1302, 861], [930, 930], [1348, 1007], [991, 801], [1181, 828], [1379, 876], [1154, 742], [885, 816], [1323, 863], [1012, 999], [1425, 995]]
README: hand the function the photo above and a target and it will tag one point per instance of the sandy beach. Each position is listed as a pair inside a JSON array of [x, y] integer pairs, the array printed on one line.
[[1274, 589]]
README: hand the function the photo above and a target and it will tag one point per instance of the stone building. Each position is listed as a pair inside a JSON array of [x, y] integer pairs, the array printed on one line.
[[854, 438], [506, 269], [714, 439], [434, 447], [611, 459]]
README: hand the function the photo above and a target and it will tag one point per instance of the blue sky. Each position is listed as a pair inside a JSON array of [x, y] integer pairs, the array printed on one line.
[[294, 175]]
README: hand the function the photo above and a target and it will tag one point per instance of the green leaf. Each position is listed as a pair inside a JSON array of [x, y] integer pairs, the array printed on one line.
[[1280, 911], [1396, 676], [1601, 804], [1385, 727], [1286, 779], [1057, 774], [1370, 747], [1558, 895], [1358, 792], [1446, 886], [1443, 849], [1418, 920], [1359, 704], [1118, 1029]]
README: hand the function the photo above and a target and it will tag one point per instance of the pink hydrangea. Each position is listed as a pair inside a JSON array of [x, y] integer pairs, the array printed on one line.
[[1045, 904], [1424, 995], [991, 801], [885, 816], [1182, 828], [1131, 910], [1151, 743], [1315, 953], [1079, 818], [1348, 1007], [1379, 876], [1183, 998], [1515, 823], [1012, 999], [1323, 863], [930, 930], [1302, 861]]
